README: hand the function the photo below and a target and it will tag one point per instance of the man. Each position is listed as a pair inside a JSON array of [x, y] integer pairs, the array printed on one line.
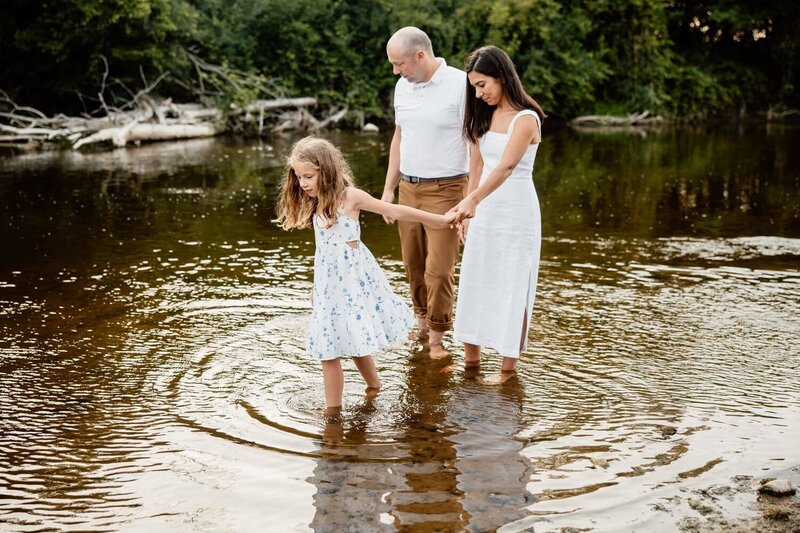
[[429, 159]]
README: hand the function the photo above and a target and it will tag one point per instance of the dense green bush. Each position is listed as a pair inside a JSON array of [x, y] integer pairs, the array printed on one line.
[[689, 58]]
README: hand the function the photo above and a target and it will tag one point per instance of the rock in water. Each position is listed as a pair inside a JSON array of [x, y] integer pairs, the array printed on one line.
[[777, 487]]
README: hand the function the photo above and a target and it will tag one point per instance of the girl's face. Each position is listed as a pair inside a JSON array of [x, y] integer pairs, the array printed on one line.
[[487, 88], [308, 177]]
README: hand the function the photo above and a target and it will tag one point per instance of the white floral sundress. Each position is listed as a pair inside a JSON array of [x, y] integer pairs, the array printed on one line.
[[356, 313]]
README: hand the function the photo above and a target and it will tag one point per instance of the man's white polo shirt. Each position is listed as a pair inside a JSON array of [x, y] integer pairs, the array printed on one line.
[[431, 117]]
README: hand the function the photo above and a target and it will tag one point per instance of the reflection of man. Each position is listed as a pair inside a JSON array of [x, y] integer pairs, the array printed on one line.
[[428, 158]]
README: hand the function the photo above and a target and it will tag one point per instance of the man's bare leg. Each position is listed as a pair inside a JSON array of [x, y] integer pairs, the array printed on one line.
[[422, 331], [437, 349]]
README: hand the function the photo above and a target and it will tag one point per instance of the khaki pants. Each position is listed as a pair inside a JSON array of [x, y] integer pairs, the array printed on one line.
[[430, 255]]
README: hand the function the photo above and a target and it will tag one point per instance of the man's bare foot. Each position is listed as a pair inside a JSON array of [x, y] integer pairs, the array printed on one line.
[[438, 351], [503, 377], [418, 335], [332, 411], [371, 392]]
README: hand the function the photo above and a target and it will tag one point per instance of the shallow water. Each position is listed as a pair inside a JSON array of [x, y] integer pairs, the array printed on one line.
[[152, 373]]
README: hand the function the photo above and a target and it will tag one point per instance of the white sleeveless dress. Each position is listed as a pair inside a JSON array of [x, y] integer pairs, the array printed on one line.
[[500, 263], [356, 313]]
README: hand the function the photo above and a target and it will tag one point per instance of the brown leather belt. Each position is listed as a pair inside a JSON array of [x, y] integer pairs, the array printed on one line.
[[417, 179]]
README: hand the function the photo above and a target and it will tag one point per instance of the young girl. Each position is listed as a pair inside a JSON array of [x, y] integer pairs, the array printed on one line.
[[355, 313]]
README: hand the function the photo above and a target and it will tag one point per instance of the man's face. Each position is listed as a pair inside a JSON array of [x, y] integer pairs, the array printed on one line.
[[407, 66]]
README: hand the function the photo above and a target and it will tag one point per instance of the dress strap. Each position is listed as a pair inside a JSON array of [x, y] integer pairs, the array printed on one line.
[[522, 114]]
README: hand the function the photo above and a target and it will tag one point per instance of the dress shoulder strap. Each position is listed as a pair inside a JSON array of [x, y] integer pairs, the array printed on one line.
[[522, 114]]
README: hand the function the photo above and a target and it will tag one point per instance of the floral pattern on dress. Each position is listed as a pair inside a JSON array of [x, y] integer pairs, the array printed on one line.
[[356, 313]]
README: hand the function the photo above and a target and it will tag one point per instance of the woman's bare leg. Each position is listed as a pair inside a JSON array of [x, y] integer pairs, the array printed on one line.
[[508, 369], [472, 355]]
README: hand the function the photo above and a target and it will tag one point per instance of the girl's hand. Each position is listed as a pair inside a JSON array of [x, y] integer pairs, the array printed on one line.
[[462, 230], [449, 219]]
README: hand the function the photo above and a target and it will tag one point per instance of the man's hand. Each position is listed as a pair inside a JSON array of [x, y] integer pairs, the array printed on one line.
[[389, 198], [462, 230]]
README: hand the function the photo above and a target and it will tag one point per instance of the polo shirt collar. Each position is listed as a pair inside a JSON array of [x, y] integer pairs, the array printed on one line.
[[438, 75]]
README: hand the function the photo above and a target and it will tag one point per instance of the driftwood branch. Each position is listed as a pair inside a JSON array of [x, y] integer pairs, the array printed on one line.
[[635, 119], [141, 116]]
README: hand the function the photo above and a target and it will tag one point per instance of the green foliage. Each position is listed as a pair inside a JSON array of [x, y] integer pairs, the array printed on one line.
[[688, 58]]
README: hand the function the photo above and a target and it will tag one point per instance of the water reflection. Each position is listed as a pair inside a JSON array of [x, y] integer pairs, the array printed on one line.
[[153, 377], [493, 473], [352, 487], [430, 499]]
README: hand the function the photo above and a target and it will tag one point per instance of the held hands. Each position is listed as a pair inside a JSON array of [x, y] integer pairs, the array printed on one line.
[[464, 210], [388, 197]]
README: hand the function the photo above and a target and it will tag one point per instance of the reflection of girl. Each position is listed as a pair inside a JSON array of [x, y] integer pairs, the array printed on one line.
[[500, 263], [355, 311]]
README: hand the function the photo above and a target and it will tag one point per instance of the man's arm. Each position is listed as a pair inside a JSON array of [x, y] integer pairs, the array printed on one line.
[[392, 172]]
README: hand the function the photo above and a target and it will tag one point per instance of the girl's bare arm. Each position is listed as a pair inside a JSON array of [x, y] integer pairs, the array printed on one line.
[[361, 200]]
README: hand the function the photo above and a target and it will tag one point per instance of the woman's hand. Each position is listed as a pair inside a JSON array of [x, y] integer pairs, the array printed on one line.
[[465, 209]]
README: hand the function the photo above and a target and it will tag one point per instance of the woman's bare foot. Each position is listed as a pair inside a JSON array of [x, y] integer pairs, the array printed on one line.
[[503, 377]]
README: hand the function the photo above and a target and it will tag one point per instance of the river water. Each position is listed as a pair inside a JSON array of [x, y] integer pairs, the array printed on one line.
[[153, 376]]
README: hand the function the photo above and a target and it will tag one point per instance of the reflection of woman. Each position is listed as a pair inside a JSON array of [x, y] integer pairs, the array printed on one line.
[[500, 263], [492, 473]]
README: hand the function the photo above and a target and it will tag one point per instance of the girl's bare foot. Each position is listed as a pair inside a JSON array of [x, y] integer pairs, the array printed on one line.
[[371, 392], [332, 411]]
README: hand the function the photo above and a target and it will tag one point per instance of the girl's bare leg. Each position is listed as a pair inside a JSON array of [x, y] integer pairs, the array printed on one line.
[[472, 356], [333, 377], [366, 367]]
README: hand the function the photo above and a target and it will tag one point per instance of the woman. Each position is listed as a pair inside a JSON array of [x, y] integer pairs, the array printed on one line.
[[500, 263]]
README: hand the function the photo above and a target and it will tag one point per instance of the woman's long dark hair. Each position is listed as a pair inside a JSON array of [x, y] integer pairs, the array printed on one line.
[[491, 61]]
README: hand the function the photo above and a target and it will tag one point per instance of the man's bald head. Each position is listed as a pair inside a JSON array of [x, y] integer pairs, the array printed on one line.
[[409, 40]]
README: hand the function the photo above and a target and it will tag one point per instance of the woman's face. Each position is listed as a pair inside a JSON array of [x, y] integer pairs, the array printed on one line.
[[308, 177], [487, 88]]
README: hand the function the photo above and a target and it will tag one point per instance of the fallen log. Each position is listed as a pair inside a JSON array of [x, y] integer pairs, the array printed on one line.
[[148, 132], [634, 119]]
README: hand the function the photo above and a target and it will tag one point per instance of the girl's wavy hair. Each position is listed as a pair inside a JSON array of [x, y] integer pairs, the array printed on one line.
[[296, 208], [492, 61]]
